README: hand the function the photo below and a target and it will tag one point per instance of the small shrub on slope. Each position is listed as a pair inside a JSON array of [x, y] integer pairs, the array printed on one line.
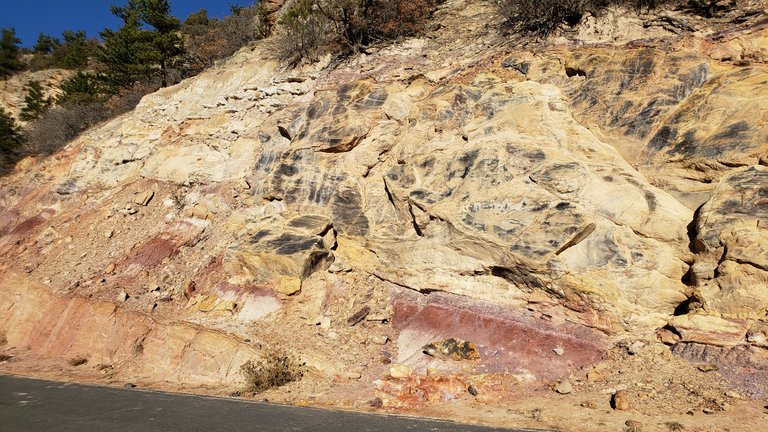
[[276, 369], [542, 17]]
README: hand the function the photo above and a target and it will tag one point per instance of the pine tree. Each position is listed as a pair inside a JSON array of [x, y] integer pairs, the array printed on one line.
[[10, 137], [9, 52], [46, 44], [125, 53], [149, 42], [75, 55], [197, 19], [81, 88], [35, 102]]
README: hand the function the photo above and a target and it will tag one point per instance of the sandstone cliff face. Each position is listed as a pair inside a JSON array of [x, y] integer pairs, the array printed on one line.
[[575, 196]]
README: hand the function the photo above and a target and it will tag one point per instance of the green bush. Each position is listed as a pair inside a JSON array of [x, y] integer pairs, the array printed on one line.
[[305, 33], [83, 87], [10, 136], [35, 102], [9, 52], [73, 52]]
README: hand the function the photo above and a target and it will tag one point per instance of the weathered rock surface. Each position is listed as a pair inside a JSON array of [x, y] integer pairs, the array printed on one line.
[[281, 251], [731, 269], [108, 334], [684, 120], [542, 206], [513, 342], [13, 89]]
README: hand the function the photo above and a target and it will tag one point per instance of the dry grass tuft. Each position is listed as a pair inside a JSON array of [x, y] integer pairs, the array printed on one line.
[[77, 361], [275, 369]]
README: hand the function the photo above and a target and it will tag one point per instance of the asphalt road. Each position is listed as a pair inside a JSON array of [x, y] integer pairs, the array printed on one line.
[[28, 405]]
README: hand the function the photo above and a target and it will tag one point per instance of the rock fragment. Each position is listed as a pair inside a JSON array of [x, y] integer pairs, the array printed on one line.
[[667, 337], [348, 376], [564, 387], [620, 401], [144, 198], [380, 340], [398, 370], [289, 285], [358, 316]]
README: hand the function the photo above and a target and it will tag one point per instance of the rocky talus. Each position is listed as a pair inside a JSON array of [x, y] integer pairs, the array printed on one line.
[[591, 210]]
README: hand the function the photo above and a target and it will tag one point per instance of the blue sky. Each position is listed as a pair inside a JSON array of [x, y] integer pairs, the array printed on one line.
[[32, 17]]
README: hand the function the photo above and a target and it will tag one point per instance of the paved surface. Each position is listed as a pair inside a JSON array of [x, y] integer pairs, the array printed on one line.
[[28, 405]]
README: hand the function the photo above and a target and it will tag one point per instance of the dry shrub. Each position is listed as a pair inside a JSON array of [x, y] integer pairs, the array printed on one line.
[[60, 125], [674, 426], [137, 347], [304, 33], [78, 361], [542, 17], [310, 28], [275, 369], [63, 123], [711, 8], [3, 339], [392, 19], [207, 42]]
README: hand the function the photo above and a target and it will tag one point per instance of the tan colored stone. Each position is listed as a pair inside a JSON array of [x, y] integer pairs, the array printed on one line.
[[594, 375], [380, 340], [347, 376], [143, 198], [181, 352], [709, 329], [564, 387], [621, 401], [289, 286], [210, 303], [432, 167], [398, 370], [758, 334], [199, 211], [732, 240], [667, 337]]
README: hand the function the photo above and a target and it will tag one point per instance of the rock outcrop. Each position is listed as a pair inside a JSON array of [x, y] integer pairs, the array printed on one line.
[[13, 89], [542, 204]]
